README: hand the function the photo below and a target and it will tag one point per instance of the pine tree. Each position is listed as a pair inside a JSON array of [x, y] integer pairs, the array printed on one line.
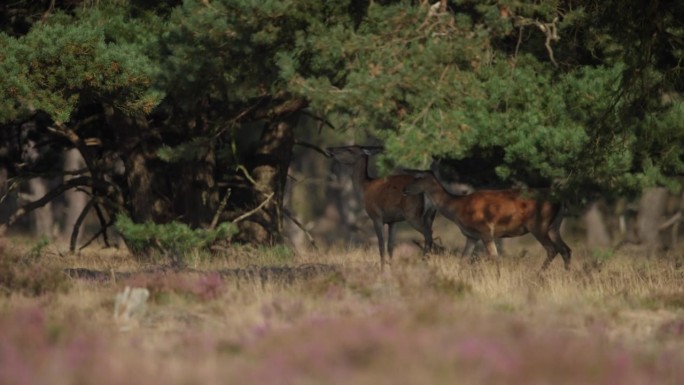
[[187, 111]]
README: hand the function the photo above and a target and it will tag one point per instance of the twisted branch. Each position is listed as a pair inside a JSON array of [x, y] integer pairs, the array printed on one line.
[[549, 29]]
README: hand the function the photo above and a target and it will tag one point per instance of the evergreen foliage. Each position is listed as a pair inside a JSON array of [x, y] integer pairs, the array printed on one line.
[[581, 95], [74, 60], [173, 238], [461, 84]]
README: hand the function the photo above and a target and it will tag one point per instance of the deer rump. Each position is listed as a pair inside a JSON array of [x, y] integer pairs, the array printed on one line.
[[504, 213]]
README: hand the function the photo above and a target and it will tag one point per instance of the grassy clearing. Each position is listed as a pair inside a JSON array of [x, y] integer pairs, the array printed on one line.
[[614, 319]]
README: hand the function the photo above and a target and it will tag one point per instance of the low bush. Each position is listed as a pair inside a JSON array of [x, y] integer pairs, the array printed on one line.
[[173, 240]]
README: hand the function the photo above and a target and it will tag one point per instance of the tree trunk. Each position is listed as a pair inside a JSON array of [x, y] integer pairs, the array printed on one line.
[[5, 210], [675, 225], [651, 209], [42, 219], [138, 144], [75, 200], [343, 217], [3, 191], [139, 181], [269, 171], [597, 232], [195, 192]]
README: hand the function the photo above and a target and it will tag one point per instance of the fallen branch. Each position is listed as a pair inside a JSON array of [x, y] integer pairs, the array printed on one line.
[[251, 212], [670, 222], [299, 224], [219, 211]]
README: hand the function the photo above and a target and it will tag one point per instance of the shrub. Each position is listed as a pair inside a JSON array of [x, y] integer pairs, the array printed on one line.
[[173, 240]]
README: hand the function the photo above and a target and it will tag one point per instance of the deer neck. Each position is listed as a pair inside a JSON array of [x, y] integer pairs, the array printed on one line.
[[361, 177], [441, 197]]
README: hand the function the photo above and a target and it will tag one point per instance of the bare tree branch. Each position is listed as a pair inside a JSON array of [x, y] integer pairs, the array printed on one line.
[[103, 224], [247, 174], [102, 231], [219, 211], [319, 119], [311, 146], [30, 175], [299, 224], [54, 193], [549, 29], [78, 223], [251, 212], [434, 10], [670, 222]]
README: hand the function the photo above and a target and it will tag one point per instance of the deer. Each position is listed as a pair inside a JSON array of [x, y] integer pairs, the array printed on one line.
[[384, 200], [489, 214]]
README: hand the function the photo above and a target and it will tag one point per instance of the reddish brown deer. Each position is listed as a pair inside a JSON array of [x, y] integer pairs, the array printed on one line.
[[384, 199], [490, 214]]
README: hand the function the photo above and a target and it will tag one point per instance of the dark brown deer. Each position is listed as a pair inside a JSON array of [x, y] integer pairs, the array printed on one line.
[[491, 214], [384, 199]]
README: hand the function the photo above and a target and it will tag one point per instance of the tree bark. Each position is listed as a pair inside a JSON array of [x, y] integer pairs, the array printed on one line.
[[42, 219], [597, 232], [75, 200], [4, 209], [3, 191], [196, 193], [269, 171], [343, 215], [651, 209], [138, 144]]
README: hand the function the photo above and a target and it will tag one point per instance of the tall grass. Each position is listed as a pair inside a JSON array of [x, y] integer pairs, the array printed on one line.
[[444, 320]]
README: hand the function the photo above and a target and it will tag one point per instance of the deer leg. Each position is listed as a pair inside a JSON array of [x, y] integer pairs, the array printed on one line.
[[549, 246], [424, 227], [377, 225], [428, 219], [391, 236], [561, 246], [427, 234], [469, 247], [490, 245], [493, 253]]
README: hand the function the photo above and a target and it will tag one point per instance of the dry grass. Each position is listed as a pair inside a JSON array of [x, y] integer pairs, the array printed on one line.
[[612, 319]]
